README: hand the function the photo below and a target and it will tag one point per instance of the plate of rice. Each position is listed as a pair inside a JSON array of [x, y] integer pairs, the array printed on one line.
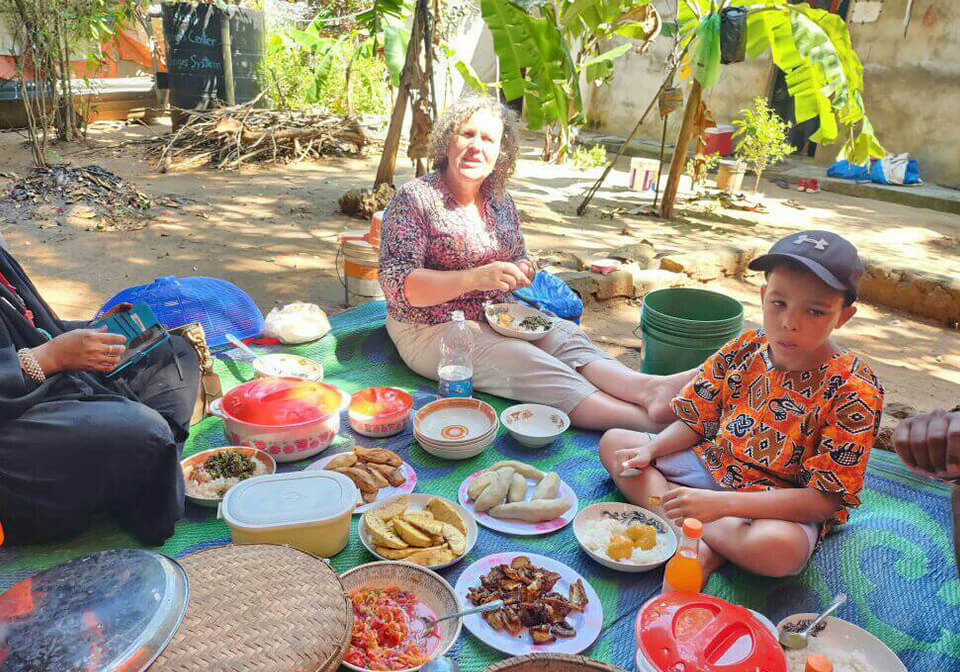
[[850, 648], [210, 473], [624, 537]]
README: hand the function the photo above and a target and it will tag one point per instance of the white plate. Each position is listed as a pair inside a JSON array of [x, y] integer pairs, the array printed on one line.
[[198, 458], [455, 420], [588, 624], [520, 527], [841, 636], [417, 502], [666, 541], [517, 312], [384, 493]]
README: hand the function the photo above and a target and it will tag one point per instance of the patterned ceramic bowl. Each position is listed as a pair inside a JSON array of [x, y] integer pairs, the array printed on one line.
[[534, 425], [429, 588]]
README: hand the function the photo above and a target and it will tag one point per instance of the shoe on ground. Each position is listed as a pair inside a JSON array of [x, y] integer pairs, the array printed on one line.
[[801, 185], [813, 186]]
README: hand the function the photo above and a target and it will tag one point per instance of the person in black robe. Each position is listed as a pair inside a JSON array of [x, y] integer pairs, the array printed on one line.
[[78, 442]]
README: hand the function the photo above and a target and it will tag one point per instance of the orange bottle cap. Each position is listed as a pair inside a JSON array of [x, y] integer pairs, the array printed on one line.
[[692, 528], [818, 663]]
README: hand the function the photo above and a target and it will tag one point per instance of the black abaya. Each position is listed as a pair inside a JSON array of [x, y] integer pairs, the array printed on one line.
[[80, 442]]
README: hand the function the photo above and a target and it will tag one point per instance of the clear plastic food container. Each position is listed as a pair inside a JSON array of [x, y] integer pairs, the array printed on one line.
[[309, 510]]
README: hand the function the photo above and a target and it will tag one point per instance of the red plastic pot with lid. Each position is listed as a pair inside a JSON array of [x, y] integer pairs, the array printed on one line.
[[693, 632], [289, 418]]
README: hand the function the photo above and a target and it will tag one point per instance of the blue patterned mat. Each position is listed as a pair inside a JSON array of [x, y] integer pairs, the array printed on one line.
[[894, 560]]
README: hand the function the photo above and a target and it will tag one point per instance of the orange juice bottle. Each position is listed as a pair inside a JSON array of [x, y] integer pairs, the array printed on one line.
[[683, 572], [818, 663]]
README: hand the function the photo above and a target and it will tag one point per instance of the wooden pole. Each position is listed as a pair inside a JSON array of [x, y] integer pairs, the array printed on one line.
[[388, 160], [227, 50], [680, 150]]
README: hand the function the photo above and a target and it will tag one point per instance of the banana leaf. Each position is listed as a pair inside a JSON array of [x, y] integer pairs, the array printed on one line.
[[600, 68], [522, 41], [824, 75], [395, 41]]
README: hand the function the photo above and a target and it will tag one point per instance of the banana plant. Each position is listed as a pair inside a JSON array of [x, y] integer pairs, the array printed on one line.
[[823, 72], [535, 44]]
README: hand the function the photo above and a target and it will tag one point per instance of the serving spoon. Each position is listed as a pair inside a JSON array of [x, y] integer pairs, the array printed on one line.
[[799, 640], [427, 623]]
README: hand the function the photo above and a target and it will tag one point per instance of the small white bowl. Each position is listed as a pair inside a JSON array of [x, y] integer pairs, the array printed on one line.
[[534, 425], [283, 365]]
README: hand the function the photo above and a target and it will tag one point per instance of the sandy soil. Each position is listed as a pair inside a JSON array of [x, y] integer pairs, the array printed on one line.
[[273, 231]]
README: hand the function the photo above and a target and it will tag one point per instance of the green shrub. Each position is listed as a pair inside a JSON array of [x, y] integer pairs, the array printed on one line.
[[763, 137], [584, 158], [699, 165]]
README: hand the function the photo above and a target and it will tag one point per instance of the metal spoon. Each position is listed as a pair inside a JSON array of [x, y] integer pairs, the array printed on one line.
[[240, 344], [441, 664], [425, 623], [799, 640]]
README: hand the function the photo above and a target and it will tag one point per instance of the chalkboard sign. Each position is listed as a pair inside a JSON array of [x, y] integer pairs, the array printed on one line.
[[195, 55]]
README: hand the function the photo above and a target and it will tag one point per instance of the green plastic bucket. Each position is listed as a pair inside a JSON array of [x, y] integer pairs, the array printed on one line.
[[681, 327]]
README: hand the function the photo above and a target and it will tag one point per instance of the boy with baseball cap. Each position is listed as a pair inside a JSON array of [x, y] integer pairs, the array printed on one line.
[[774, 430]]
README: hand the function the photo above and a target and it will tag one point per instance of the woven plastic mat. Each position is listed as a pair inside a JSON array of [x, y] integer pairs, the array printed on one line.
[[260, 607], [894, 559], [556, 662]]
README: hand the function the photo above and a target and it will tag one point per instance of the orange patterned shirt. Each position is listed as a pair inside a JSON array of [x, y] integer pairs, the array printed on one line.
[[764, 428]]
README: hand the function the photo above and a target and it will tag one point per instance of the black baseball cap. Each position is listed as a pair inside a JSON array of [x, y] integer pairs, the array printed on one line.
[[828, 256]]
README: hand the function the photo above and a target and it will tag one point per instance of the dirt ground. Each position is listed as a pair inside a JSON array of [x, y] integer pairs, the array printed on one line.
[[273, 231]]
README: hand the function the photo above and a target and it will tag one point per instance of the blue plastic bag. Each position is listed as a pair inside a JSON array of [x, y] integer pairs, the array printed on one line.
[[551, 293], [848, 171], [895, 169]]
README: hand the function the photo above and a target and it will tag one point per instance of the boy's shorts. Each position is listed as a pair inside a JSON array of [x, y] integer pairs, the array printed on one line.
[[685, 468]]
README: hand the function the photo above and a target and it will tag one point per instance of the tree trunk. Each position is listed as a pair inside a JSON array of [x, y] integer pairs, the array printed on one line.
[[388, 160], [680, 151], [756, 185]]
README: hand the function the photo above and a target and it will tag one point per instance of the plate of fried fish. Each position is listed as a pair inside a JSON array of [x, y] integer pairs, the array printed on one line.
[[379, 474]]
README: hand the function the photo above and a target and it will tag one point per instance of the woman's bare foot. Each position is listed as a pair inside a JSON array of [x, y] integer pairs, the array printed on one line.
[[710, 561]]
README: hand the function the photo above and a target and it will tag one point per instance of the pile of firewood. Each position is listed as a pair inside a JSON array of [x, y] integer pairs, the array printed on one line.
[[227, 137]]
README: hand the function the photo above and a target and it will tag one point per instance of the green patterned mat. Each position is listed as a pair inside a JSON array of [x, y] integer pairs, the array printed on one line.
[[894, 560]]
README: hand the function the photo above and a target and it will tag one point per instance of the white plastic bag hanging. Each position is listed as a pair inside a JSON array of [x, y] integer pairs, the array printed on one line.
[[296, 323]]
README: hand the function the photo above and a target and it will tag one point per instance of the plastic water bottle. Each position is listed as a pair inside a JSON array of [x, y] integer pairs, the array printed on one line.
[[455, 371]]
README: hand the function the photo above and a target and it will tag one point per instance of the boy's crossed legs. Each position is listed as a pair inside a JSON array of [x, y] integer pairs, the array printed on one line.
[[767, 547]]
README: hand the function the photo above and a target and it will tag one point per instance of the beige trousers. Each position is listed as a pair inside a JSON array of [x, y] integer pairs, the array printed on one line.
[[542, 372]]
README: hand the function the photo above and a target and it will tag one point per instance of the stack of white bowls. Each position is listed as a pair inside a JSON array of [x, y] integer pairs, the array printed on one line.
[[456, 428]]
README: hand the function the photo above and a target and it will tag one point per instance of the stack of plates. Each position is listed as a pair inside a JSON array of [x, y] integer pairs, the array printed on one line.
[[456, 428]]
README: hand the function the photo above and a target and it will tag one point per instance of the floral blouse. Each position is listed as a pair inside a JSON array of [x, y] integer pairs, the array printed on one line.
[[425, 227], [763, 428]]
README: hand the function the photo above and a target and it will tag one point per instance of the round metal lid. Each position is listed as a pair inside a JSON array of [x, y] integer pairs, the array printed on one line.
[[112, 610]]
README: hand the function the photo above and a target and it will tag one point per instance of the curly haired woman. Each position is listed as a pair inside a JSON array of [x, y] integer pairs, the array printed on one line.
[[451, 241]]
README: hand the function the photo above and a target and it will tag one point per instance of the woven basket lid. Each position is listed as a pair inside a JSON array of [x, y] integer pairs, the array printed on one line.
[[551, 662], [260, 607]]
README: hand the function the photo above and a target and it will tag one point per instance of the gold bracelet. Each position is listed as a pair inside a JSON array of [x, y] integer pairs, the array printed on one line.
[[30, 365]]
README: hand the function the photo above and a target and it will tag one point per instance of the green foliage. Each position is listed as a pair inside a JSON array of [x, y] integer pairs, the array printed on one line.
[[700, 165], [763, 137], [307, 68], [823, 72], [584, 158], [535, 46]]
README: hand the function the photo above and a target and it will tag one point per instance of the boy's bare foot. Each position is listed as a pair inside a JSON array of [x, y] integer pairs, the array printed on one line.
[[710, 561], [660, 392]]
